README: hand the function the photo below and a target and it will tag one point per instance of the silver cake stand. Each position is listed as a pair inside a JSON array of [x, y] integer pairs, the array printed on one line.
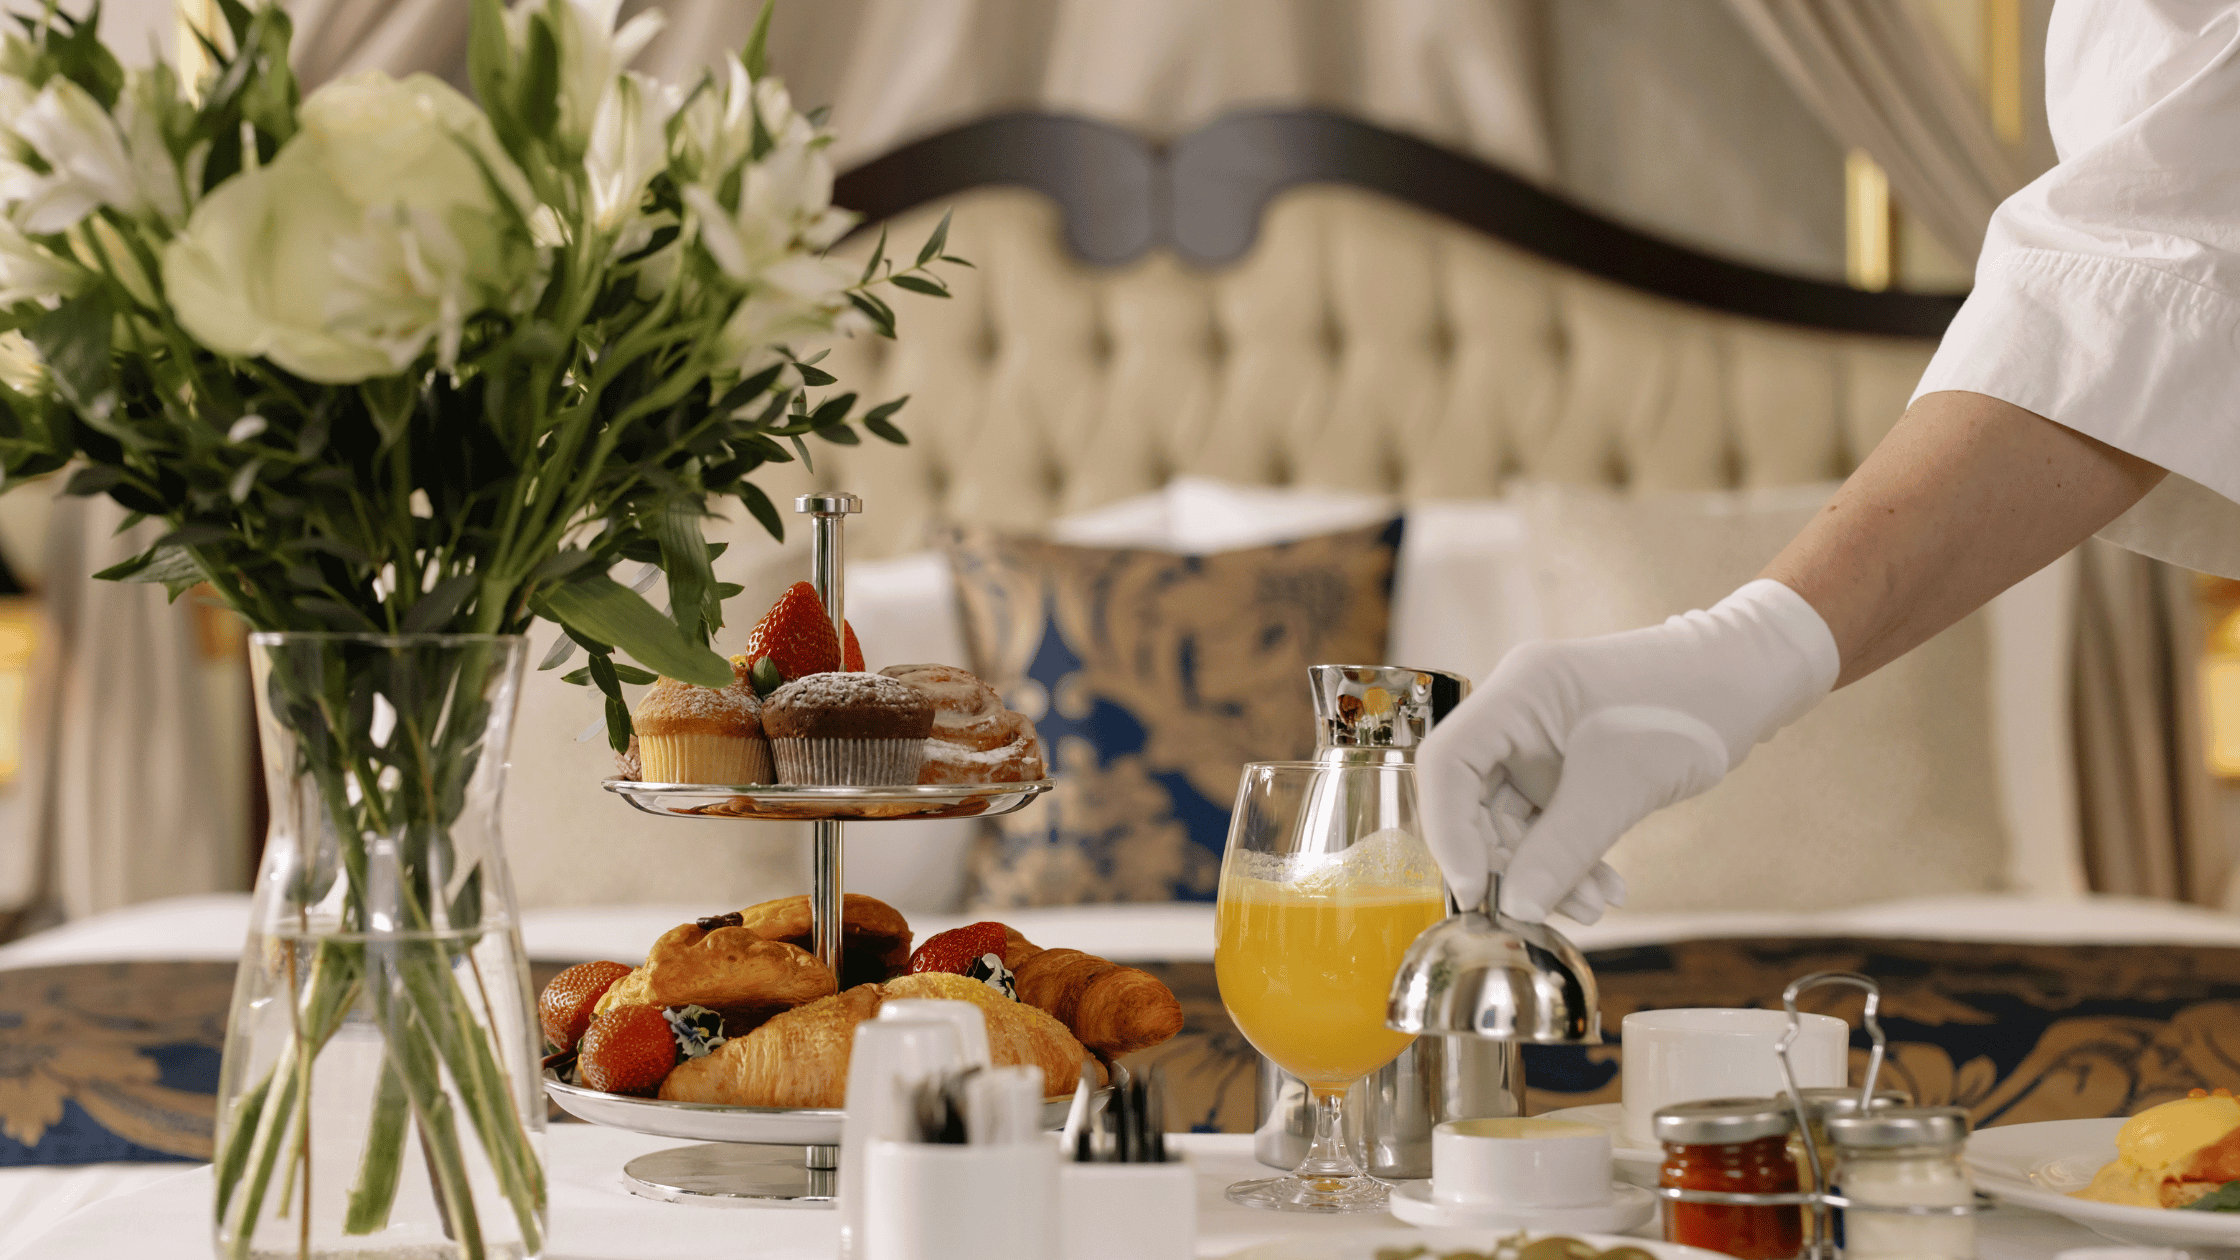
[[777, 1156]]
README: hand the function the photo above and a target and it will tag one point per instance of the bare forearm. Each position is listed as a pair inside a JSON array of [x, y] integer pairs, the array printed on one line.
[[1967, 496]]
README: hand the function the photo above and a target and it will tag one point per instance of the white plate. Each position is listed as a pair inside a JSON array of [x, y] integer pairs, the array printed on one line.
[[1636, 1164], [1629, 1205], [2037, 1165], [1363, 1244], [857, 804], [712, 1122]]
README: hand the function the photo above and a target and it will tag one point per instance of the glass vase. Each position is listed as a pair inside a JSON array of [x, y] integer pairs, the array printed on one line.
[[380, 1094]]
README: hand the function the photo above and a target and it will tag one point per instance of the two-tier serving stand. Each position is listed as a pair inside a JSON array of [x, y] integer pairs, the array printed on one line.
[[776, 1156]]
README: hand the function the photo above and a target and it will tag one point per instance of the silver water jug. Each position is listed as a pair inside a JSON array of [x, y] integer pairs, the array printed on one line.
[[1371, 714]]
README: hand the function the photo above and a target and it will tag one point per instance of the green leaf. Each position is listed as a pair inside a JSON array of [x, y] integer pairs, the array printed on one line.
[[936, 242], [884, 429], [618, 725], [195, 535], [73, 340], [831, 411], [756, 55], [2226, 1198], [879, 313], [760, 507], [961, 262], [801, 448], [93, 480], [841, 435], [885, 409], [746, 391], [919, 284], [602, 673], [489, 58], [171, 566], [540, 79], [630, 674], [764, 676], [878, 255], [389, 400], [429, 612], [557, 655], [599, 606], [684, 557], [814, 375]]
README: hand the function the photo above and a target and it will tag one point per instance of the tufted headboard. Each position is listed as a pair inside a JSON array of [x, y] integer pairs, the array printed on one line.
[[1296, 297]]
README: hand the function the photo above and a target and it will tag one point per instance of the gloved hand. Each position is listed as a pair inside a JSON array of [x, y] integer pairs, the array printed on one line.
[[1570, 743]]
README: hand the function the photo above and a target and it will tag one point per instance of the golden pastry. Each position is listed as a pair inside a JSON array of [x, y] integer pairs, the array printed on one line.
[[874, 937]]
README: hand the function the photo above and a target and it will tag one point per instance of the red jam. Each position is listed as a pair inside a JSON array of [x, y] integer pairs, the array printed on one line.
[[1748, 1233]]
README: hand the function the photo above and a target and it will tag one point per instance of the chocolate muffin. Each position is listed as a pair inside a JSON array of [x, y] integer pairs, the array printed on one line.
[[853, 729]]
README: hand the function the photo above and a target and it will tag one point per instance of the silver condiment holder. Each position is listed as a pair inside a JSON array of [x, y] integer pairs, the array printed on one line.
[[1821, 1200]]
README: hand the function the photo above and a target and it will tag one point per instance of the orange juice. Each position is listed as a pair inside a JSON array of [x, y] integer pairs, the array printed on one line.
[[1306, 972]]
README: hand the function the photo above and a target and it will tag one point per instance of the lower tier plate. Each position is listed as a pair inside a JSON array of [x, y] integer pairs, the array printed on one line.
[[855, 804], [711, 1122]]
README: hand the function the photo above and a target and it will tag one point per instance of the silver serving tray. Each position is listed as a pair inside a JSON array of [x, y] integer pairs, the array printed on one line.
[[855, 804], [711, 1122]]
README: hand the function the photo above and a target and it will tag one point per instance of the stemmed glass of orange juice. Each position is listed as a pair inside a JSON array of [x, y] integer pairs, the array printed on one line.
[[1325, 883]]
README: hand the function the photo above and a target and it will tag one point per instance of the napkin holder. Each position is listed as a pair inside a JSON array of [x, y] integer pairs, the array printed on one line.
[[1127, 1211]]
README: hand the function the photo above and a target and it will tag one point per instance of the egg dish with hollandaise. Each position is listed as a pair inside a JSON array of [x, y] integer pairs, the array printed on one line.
[[2181, 1154]]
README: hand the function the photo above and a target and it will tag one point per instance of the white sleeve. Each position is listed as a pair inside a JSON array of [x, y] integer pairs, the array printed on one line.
[[2107, 297]]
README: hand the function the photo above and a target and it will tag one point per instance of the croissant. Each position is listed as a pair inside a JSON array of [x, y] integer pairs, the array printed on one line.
[[800, 1058], [727, 969], [1114, 1010]]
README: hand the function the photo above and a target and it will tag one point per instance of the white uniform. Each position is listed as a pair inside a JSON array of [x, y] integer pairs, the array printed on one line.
[[2107, 297]]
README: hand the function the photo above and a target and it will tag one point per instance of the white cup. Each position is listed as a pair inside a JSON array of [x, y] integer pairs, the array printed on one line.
[[1711, 1052], [1516, 1162], [887, 1057], [972, 1024]]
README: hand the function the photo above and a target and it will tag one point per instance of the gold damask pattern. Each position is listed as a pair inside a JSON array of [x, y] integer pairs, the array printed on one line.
[[1152, 679], [2012, 1033], [114, 1061]]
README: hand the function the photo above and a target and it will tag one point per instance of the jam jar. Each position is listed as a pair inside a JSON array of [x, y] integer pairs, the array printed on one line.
[[1732, 1146]]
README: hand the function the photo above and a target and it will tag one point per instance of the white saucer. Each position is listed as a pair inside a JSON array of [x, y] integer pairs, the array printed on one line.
[[1637, 1164], [1629, 1206]]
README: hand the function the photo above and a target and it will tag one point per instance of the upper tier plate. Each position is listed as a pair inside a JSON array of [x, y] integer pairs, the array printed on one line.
[[856, 804]]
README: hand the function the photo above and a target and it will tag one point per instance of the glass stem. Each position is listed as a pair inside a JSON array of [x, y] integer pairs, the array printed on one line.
[[1328, 1157]]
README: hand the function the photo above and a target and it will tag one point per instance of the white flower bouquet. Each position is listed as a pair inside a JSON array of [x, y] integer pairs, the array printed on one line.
[[389, 362]]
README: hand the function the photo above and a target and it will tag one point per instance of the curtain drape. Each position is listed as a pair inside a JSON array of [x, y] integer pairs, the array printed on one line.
[[119, 798], [1884, 83]]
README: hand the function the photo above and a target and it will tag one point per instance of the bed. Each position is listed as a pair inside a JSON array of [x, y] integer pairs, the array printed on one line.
[[1351, 325]]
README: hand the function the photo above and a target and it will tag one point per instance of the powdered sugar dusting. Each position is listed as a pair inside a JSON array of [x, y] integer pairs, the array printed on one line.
[[683, 701], [837, 689]]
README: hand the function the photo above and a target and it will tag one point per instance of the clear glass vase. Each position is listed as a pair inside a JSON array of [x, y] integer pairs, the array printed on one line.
[[380, 1094]]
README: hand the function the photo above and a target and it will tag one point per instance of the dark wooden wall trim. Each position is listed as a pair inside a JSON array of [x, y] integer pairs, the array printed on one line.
[[1202, 195]]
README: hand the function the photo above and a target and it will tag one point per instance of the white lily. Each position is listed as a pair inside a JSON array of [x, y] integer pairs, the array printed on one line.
[[629, 146], [29, 273], [593, 53], [65, 131]]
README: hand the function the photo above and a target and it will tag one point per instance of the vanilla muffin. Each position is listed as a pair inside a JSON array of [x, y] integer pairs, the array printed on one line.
[[689, 734], [847, 728]]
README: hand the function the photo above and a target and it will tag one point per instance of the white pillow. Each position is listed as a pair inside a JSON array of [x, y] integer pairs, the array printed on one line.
[[1890, 788]]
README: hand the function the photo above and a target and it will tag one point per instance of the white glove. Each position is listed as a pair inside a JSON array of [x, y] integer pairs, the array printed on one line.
[[1570, 743]]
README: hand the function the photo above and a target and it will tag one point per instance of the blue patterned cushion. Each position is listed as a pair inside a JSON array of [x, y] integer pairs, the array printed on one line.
[[1152, 678]]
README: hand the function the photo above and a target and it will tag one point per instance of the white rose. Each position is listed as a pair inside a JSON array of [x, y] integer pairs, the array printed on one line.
[[372, 235]]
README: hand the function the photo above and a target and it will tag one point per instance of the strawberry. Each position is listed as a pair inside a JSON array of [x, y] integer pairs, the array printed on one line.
[[628, 1050], [796, 637], [564, 1008], [957, 949]]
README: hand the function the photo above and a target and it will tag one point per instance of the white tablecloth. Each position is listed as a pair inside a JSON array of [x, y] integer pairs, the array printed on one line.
[[595, 1218]]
